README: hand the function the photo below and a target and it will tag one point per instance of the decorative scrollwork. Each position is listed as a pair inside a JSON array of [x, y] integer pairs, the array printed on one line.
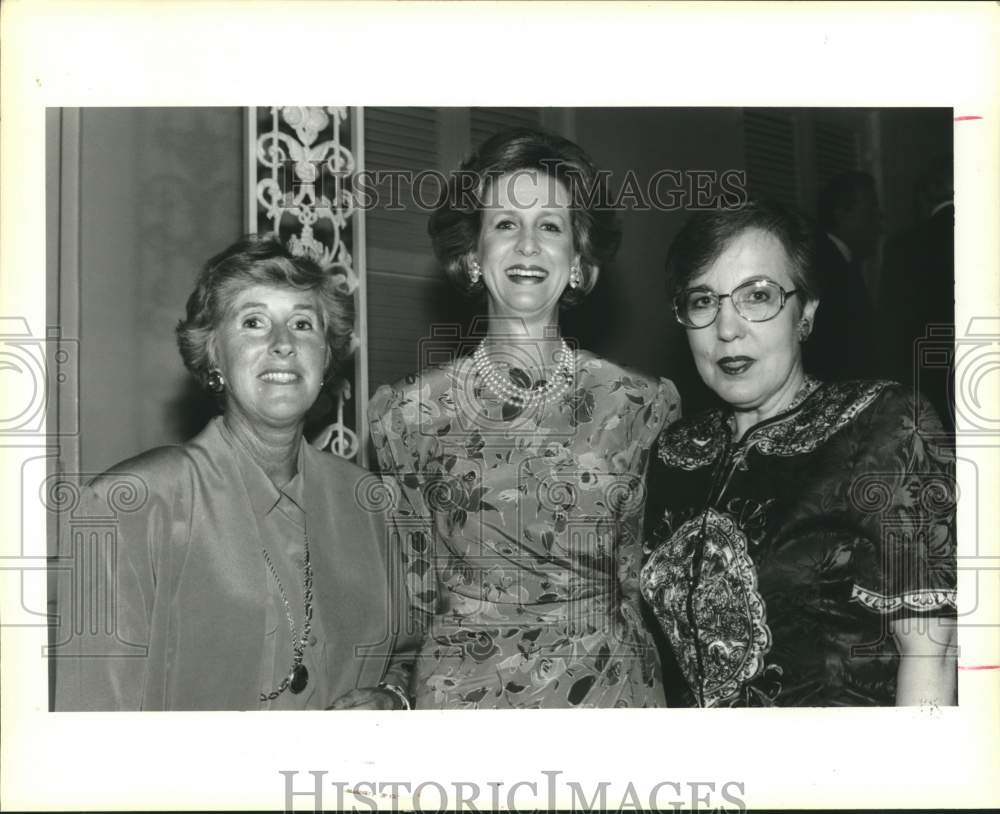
[[118, 492], [377, 494], [872, 492], [938, 494], [337, 437], [625, 494], [556, 493], [59, 494], [309, 181], [444, 493], [127, 493]]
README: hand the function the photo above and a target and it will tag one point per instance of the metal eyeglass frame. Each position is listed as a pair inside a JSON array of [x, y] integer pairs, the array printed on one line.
[[720, 297]]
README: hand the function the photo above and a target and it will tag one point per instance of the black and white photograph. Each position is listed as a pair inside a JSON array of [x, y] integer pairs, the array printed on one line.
[[364, 429], [509, 422]]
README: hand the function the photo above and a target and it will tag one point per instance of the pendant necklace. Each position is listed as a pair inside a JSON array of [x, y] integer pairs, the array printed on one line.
[[298, 676]]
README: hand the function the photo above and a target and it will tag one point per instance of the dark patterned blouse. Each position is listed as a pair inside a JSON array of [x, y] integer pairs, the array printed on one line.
[[809, 535]]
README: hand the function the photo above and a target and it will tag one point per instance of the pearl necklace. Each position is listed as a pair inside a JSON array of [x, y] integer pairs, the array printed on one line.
[[512, 393]]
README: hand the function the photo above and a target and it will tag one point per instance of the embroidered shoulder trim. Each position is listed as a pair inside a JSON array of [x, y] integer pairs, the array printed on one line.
[[693, 442], [697, 442], [926, 599], [824, 413]]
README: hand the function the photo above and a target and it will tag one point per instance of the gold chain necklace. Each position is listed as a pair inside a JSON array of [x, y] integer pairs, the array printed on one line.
[[298, 676]]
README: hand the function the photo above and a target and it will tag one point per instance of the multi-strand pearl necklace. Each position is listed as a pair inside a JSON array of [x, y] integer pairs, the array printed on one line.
[[512, 393]]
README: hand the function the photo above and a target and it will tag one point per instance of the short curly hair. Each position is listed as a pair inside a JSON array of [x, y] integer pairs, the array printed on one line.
[[259, 260], [455, 225]]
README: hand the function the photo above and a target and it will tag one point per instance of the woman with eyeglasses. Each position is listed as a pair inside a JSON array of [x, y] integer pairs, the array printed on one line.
[[800, 538]]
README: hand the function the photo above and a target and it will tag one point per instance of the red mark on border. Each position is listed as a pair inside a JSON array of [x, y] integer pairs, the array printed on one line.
[[979, 666], [967, 118]]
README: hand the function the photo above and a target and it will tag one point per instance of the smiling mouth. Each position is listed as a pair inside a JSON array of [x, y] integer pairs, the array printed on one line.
[[279, 377], [735, 365], [527, 274]]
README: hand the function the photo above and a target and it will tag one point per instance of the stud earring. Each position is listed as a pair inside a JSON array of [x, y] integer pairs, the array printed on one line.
[[475, 272], [574, 277], [216, 381]]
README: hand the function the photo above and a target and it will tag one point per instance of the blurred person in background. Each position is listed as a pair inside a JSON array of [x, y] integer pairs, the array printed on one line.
[[917, 294], [842, 345]]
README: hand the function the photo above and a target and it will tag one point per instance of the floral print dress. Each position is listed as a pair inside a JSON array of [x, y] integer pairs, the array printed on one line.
[[808, 536], [520, 535]]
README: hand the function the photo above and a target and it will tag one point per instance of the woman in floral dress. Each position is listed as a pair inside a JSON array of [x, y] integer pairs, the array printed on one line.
[[519, 466]]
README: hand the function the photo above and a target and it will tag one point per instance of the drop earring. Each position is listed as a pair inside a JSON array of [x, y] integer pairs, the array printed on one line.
[[805, 328], [475, 272]]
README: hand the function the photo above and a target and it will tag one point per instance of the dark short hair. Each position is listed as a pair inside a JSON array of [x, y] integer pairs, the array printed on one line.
[[455, 225], [707, 234], [842, 192], [259, 260]]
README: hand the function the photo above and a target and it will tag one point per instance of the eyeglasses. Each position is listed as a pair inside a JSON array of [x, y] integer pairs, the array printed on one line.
[[754, 300]]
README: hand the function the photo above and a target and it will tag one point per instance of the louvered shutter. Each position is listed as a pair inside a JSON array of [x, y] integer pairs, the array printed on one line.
[[485, 121], [769, 152], [836, 151], [399, 139], [402, 276]]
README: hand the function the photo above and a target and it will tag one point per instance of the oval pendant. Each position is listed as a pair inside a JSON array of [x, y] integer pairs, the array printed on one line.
[[298, 679]]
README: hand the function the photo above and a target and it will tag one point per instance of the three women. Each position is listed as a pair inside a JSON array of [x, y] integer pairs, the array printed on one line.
[[800, 539]]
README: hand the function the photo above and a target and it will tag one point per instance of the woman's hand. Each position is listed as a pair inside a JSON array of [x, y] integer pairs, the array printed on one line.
[[927, 672], [367, 698]]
